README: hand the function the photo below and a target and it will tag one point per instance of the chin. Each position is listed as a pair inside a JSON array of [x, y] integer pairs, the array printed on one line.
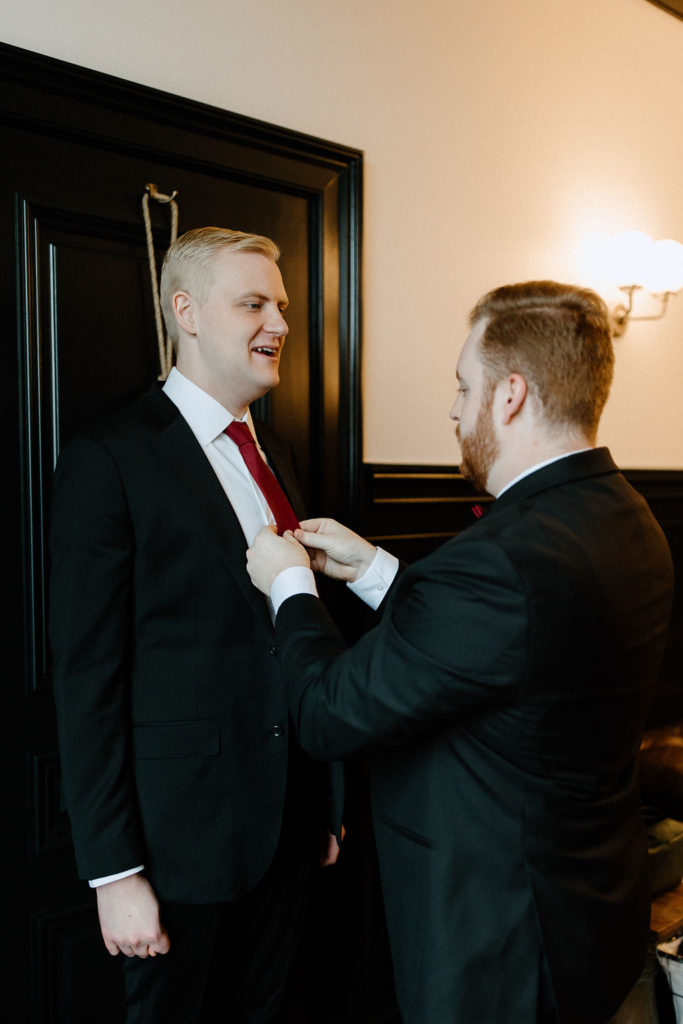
[[264, 386]]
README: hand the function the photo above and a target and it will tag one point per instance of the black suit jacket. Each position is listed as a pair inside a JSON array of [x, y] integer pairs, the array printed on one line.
[[172, 719], [504, 694]]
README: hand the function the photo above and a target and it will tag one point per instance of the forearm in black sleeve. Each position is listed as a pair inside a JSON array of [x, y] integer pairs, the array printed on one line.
[[453, 638], [90, 619]]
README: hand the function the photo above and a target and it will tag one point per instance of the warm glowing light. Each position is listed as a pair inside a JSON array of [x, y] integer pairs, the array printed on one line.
[[665, 273], [629, 257], [636, 264]]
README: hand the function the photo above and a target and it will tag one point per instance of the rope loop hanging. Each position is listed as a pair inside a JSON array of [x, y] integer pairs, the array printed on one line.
[[165, 346]]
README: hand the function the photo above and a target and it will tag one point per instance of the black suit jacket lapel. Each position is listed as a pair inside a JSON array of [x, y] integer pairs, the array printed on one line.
[[178, 448]]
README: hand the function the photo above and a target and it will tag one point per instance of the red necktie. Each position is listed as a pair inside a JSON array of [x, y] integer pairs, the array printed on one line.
[[278, 502]]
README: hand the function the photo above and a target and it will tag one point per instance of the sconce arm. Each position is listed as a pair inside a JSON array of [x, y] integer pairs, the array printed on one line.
[[621, 314]]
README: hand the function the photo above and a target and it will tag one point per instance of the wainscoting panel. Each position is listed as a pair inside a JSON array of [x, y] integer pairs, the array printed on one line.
[[410, 510]]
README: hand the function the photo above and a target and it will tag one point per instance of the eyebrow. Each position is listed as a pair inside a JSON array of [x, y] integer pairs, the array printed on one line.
[[264, 298]]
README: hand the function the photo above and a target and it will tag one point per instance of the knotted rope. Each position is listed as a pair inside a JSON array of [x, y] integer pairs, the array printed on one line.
[[165, 347]]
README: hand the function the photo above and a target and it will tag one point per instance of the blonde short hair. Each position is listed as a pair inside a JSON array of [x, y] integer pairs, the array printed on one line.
[[189, 264]]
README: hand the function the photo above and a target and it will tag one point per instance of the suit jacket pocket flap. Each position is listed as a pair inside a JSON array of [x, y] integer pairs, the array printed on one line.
[[404, 830], [177, 739]]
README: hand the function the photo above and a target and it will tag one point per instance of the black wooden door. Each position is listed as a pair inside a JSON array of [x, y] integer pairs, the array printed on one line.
[[78, 339]]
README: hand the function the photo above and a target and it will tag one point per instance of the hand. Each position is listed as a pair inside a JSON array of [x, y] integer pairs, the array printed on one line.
[[129, 918], [335, 550], [269, 555], [330, 850]]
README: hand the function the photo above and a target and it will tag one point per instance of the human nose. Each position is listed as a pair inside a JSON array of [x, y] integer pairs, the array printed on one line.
[[277, 324], [454, 414]]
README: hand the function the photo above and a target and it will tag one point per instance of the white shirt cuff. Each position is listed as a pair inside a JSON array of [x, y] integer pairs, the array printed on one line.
[[95, 882], [295, 580], [373, 585]]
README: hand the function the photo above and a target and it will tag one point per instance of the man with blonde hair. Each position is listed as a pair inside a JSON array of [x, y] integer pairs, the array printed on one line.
[[503, 694], [195, 814]]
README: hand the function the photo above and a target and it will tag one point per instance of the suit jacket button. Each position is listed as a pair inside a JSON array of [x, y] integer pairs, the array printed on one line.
[[272, 650], [277, 730]]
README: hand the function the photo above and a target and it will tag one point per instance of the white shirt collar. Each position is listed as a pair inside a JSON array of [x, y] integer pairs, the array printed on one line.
[[539, 465], [205, 416]]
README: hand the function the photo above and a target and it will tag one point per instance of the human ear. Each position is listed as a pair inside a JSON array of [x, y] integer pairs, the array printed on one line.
[[515, 391], [183, 310]]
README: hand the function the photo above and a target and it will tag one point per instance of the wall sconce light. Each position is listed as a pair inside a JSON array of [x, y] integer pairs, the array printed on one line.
[[635, 261]]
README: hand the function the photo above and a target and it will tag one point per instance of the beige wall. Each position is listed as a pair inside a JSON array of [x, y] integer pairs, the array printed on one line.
[[499, 138]]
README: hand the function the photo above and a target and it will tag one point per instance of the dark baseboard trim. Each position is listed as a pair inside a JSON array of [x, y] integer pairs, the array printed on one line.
[[411, 509]]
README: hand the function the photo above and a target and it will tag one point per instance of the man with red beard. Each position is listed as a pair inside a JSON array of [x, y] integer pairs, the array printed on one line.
[[502, 695], [479, 447]]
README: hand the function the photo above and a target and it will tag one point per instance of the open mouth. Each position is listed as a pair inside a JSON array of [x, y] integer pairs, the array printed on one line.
[[265, 351]]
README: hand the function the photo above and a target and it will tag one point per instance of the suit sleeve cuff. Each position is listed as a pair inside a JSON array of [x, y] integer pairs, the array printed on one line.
[[295, 580]]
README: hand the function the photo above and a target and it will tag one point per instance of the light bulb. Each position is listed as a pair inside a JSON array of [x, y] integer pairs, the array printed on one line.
[[628, 257], [666, 269]]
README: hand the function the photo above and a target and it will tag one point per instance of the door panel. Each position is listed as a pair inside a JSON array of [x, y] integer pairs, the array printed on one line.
[[78, 340]]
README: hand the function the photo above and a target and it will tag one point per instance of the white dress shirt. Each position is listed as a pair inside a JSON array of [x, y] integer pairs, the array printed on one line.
[[207, 419], [370, 588]]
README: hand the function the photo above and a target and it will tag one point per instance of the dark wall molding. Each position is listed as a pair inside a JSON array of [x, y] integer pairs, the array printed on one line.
[[411, 509], [663, 491], [417, 507], [674, 7]]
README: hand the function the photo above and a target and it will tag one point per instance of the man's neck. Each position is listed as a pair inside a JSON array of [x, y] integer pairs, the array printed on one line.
[[235, 405], [507, 470]]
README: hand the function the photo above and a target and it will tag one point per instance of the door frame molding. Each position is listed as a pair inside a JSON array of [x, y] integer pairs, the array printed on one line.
[[58, 100]]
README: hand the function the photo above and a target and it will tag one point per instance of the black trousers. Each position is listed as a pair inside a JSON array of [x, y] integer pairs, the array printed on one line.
[[229, 962]]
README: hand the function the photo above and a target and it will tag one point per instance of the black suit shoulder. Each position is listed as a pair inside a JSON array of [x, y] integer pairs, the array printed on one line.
[[150, 413]]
